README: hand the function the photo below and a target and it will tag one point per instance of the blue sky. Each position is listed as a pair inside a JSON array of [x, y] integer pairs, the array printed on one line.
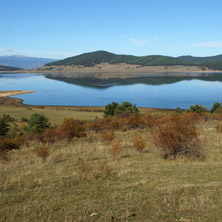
[[64, 28]]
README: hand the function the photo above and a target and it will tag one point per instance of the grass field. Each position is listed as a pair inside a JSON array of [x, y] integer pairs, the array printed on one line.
[[57, 114], [54, 114], [83, 181]]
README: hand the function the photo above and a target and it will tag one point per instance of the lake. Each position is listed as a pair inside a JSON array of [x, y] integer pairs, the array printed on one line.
[[159, 92]]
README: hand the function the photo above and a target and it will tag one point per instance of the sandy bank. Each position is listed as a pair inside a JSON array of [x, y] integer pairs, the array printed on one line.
[[14, 92]]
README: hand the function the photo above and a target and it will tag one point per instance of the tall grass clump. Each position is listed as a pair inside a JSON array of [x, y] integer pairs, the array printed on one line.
[[43, 153], [116, 149], [177, 136], [139, 143]]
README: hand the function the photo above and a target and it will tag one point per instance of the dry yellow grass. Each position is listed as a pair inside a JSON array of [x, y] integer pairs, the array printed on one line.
[[81, 181]]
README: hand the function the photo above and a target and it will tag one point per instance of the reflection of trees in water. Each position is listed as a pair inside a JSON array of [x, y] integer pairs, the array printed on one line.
[[98, 83]]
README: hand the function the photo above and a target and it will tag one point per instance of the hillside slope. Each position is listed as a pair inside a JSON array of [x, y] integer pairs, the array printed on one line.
[[93, 58]]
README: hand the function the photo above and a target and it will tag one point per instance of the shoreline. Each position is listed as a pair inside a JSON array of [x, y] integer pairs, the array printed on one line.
[[17, 102], [121, 70], [108, 75]]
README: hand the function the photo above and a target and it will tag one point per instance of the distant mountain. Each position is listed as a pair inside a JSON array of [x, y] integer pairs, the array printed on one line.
[[9, 68], [92, 58], [24, 62]]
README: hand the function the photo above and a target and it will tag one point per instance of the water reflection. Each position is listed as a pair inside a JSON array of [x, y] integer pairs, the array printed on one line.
[[162, 92]]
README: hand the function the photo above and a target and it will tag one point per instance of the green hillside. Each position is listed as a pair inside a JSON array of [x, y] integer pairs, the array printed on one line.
[[192, 59], [92, 58], [9, 68]]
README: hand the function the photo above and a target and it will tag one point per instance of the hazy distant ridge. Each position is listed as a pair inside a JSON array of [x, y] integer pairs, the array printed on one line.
[[92, 58], [8, 68], [24, 62]]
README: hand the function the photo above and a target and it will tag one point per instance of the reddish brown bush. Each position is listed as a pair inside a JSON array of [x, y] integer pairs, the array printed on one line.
[[107, 137], [50, 136], [116, 149], [117, 123], [8, 144], [43, 152], [139, 143], [149, 120], [136, 121], [71, 128], [177, 135]]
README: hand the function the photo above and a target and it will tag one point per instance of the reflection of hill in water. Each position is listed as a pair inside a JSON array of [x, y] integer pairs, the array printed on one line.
[[98, 83]]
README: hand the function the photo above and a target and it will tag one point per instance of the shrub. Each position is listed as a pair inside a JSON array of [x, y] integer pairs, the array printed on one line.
[[125, 108], [139, 143], [50, 136], [7, 118], [8, 144], [149, 120], [110, 109], [197, 108], [179, 110], [107, 137], [71, 128], [177, 135], [37, 123], [135, 121], [116, 149], [216, 107], [4, 127], [23, 119], [43, 152]]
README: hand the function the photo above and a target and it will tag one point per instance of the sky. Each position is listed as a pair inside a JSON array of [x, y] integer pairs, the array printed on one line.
[[64, 28]]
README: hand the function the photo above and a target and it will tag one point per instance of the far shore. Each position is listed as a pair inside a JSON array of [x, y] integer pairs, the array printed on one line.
[[122, 70]]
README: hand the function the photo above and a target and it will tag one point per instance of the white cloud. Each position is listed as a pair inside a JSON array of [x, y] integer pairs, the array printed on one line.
[[137, 42], [210, 44]]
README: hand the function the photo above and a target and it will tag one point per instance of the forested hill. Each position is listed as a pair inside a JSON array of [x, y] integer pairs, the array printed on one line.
[[92, 58], [193, 59], [9, 68]]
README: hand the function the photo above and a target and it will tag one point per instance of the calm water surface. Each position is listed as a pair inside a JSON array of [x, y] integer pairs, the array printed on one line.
[[144, 92]]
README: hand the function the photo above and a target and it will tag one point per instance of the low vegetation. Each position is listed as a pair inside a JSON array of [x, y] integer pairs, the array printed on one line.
[[134, 167], [115, 109]]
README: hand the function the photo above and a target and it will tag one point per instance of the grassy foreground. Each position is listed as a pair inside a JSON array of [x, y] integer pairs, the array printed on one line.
[[83, 181]]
